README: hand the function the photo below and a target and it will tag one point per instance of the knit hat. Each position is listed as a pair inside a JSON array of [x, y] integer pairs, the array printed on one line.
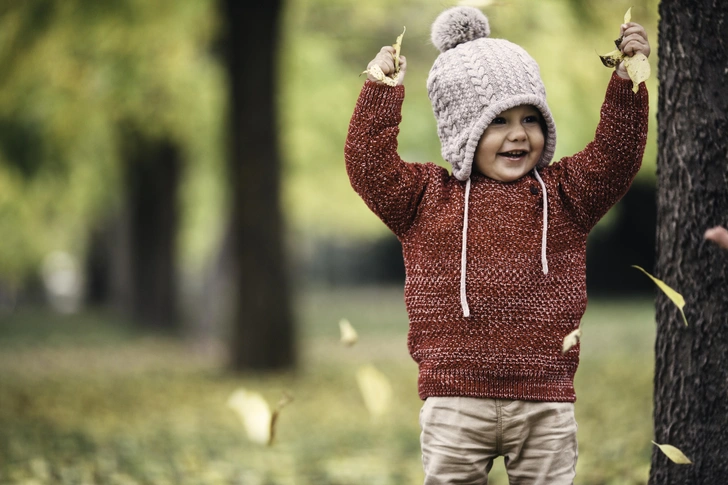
[[474, 79]]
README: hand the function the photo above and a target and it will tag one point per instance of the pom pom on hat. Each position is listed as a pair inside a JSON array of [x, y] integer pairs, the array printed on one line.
[[458, 25]]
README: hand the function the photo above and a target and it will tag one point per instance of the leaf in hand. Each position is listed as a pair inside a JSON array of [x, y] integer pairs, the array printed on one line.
[[571, 340], [673, 295], [638, 67], [397, 48], [611, 59], [376, 72], [674, 454], [348, 335]]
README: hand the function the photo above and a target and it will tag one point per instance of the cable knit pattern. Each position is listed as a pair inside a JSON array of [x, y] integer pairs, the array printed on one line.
[[510, 346]]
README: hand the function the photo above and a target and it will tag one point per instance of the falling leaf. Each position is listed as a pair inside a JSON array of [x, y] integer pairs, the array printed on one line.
[[673, 295], [376, 72], [348, 335], [571, 340], [257, 418], [375, 389], [282, 402], [674, 454], [637, 66]]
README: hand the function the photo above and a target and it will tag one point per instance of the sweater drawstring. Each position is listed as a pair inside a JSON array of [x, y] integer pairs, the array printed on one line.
[[463, 255], [464, 251], [544, 262]]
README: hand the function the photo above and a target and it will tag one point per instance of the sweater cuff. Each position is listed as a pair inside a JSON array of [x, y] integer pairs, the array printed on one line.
[[620, 91], [382, 102]]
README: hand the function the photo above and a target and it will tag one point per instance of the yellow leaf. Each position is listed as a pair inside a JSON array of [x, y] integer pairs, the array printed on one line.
[[571, 340], [254, 413], [674, 454], [348, 335], [611, 59], [673, 295], [397, 48], [638, 68], [375, 389], [257, 418], [377, 72]]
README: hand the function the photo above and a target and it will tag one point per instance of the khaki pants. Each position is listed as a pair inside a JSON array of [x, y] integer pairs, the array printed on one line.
[[462, 436]]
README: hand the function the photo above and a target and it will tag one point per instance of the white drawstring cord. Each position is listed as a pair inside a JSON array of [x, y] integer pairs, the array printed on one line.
[[463, 256], [544, 262]]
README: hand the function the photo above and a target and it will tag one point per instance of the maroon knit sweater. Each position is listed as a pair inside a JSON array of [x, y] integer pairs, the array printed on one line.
[[510, 345]]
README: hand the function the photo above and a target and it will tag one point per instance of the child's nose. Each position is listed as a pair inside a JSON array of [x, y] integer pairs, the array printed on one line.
[[517, 132]]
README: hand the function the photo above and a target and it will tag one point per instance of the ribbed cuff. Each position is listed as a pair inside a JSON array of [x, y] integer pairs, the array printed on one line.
[[382, 102]]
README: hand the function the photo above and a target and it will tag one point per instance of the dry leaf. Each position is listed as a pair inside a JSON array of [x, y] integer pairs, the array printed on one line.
[[673, 295], [397, 48], [257, 418], [348, 335], [674, 454], [375, 389], [638, 67], [377, 72], [611, 59], [571, 340]]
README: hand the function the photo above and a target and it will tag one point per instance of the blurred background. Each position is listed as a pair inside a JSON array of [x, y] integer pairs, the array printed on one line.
[[121, 239]]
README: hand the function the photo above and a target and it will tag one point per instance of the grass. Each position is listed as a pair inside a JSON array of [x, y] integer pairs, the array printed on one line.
[[87, 399]]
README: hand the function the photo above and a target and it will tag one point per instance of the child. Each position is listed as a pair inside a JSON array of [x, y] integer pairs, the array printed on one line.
[[495, 252]]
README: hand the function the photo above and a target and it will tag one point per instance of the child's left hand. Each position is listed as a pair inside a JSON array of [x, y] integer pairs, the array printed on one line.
[[634, 41]]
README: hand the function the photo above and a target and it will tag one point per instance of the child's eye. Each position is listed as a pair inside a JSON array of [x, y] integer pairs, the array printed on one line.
[[499, 120], [531, 119]]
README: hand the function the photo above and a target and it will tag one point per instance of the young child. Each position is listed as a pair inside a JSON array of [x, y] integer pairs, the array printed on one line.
[[495, 252]]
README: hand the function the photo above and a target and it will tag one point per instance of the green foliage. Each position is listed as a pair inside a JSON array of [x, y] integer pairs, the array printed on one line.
[[73, 71], [95, 402]]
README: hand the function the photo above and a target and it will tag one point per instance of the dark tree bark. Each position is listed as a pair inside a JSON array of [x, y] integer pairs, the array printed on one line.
[[691, 368], [263, 337], [152, 181]]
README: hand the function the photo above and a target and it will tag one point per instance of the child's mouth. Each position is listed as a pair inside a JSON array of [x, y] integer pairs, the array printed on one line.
[[514, 155]]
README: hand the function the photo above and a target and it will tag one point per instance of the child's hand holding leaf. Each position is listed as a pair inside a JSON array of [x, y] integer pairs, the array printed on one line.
[[630, 57], [388, 67]]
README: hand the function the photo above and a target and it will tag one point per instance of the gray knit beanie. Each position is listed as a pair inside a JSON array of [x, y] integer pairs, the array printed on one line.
[[474, 79]]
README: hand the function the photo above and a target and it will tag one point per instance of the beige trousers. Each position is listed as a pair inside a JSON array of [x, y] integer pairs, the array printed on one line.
[[461, 437]]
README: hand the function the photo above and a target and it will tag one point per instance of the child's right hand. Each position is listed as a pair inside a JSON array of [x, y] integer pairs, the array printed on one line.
[[385, 60]]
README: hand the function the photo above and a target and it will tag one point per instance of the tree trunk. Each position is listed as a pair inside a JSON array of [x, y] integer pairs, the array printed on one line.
[[691, 367], [263, 325], [152, 182]]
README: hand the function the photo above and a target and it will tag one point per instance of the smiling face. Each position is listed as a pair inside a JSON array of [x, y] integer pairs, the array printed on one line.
[[511, 145]]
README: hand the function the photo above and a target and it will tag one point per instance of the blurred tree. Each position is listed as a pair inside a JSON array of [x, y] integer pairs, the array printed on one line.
[[152, 176], [691, 367], [263, 330], [104, 108]]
